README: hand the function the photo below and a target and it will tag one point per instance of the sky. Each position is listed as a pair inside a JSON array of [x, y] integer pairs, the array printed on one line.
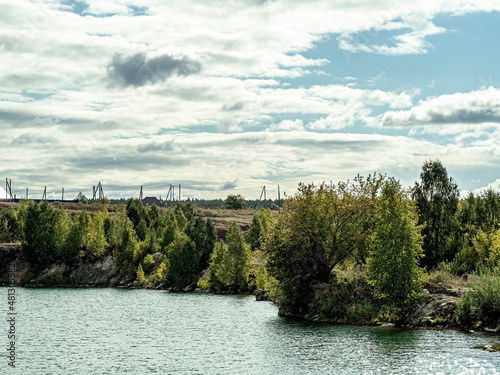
[[225, 97]]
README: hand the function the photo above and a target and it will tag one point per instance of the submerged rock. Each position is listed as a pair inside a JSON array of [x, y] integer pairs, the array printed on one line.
[[488, 348]]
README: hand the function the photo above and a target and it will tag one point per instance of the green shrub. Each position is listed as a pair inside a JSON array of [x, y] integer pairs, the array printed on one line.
[[457, 266], [480, 306], [148, 263]]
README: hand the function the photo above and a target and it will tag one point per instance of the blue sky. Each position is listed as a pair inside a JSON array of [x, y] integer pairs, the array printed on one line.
[[229, 96]]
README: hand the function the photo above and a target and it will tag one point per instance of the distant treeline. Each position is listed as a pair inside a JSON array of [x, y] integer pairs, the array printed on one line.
[[249, 203]]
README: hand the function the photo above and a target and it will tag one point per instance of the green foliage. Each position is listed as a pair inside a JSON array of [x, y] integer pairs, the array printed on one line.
[[80, 236], [437, 202], [456, 266], [10, 228], [124, 252], [234, 202], [148, 263], [217, 267], [156, 220], [152, 245], [480, 306], [98, 240], [187, 209], [262, 279], [138, 216], [204, 281], [170, 232], [319, 228], [348, 301], [261, 224], [41, 244], [230, 265], [480, 211], [180, 219], [21, 216], [237, 258], [202, 232], [183, 262], [395, 249], [140, 276], [62, 225]]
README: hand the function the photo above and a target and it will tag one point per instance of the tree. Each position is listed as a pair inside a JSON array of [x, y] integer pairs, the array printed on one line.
[[140, 276], [203, 235], [187, 209], [234, 202], [80, 236], [40, 243], [395, 249], [81, 198], [170, 232], [318, 229], [98, 240], [231, 263], [138, 216], [183, 261], [180, 219], [10, 228], [437, 202], [261, 223], [62, 224]]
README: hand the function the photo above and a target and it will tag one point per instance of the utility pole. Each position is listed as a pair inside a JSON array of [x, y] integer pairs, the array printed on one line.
[[279, 198], [44, 197], [8, 189], [62, 198], [97, 192], [140, 194], [179, 192], [261, 193], [26, 193], [169, 197], [101, 193]]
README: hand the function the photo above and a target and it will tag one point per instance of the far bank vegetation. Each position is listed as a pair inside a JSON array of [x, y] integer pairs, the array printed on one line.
[[359, 251]]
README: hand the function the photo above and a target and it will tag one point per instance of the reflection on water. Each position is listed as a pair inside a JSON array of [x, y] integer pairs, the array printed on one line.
[[110, 331]]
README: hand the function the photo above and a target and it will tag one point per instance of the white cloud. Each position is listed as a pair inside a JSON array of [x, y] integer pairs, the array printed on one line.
[[495, 186], [475, 107], [289, 125], [56, 92]]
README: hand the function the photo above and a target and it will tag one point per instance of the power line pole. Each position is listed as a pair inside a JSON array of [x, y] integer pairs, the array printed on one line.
[[263, 192], [44, 196], [26, 193], [62, 197], [279, 198], [140, 194], [179, 192], [8, 189], [101, 193]]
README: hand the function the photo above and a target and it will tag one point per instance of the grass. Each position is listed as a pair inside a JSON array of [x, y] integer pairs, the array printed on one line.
[[446, 278]]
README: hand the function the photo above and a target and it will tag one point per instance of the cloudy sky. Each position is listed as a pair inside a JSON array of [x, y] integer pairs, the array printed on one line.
[[228, 96]]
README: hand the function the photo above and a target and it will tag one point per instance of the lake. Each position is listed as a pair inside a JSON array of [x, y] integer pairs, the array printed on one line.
[[117, 331]]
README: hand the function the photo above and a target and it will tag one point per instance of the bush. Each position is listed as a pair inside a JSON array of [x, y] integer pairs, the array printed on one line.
[[148, 263], [234, 202], [480, 306]]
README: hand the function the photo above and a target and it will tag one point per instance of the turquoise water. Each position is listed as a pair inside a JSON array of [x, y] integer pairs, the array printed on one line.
[[114, 331]]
